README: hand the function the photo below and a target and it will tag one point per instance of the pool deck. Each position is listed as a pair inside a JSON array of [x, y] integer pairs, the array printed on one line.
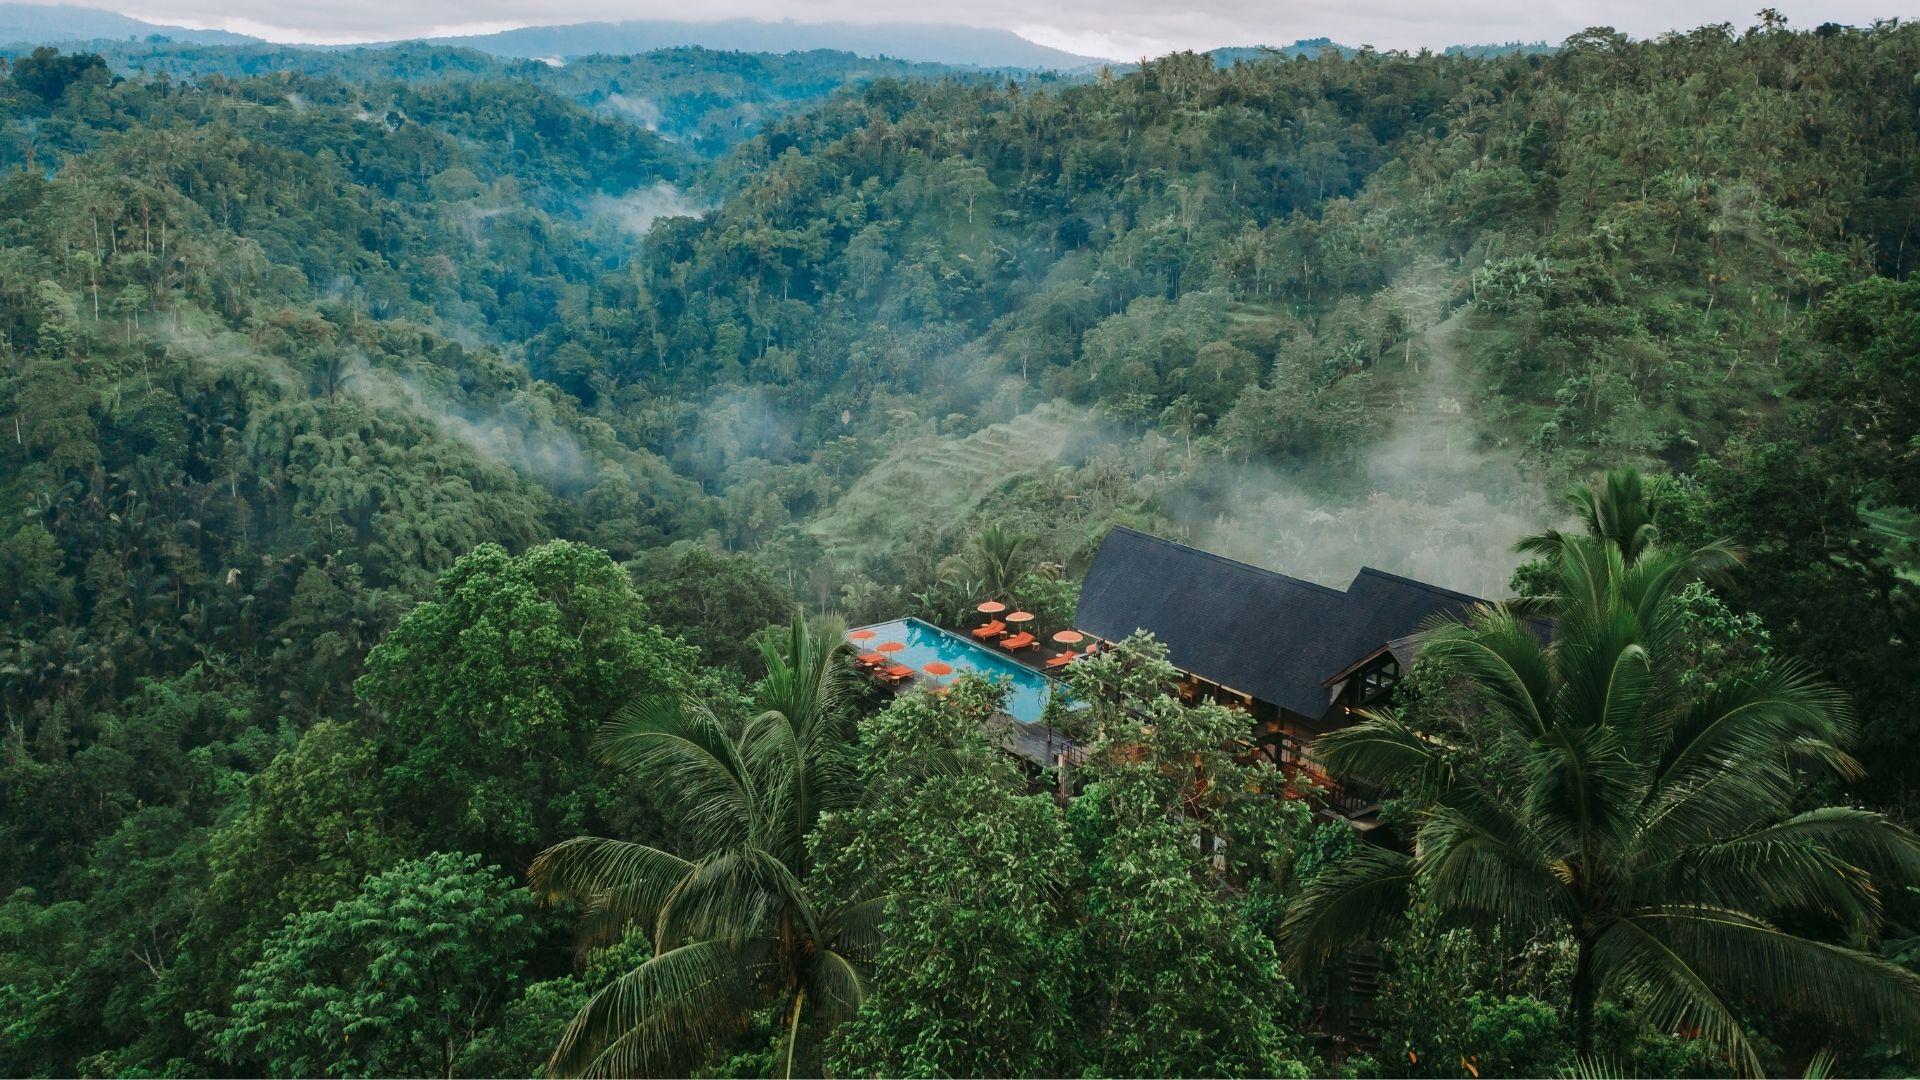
[[1036, 744]]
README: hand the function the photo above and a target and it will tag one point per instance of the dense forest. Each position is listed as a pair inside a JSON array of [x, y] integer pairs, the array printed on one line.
[[415, 465], [708, 101]]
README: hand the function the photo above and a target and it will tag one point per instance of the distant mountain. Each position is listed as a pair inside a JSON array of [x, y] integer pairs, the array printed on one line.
[[946, 44], [940, 43], [33, 24], [1310, 47], [1252, 54], [1490, 52]]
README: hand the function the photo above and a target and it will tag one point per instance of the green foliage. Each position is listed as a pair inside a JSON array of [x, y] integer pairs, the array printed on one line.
[[1104, 940], [1811, 493], [979, 960], [1052, 598], [308, 835], [1514, 1036], [717, 602], [48, 75], [1594, 792], [488, 695], [286, 334], [393, 981], [1003, 558], [44, 945], [1190, 980], [1455, 1002], [734, 925]]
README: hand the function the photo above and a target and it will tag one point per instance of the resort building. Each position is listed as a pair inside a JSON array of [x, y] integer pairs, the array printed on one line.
[[1297, 656]]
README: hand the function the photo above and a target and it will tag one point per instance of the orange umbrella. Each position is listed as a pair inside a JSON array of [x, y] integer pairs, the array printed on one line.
[[991, 607], [890, 646], [1069, 637], [1020, 616], [937, 668], [860, 635]]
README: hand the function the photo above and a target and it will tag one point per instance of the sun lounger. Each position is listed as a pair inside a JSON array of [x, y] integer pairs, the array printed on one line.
[[1021, 640], [870, 660], [1062, 660], [992, 630], [897, 673]]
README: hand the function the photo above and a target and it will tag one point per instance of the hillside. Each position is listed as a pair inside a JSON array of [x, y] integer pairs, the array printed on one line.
[[42, 23], [704, 100], [943, 478], [383, 420], [930, 42]]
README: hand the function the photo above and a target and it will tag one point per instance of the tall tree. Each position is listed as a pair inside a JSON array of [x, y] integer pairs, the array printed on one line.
[[394, 981], [1183, 977], [1590, 792], [488, 695], [981, 958], [734, 923]]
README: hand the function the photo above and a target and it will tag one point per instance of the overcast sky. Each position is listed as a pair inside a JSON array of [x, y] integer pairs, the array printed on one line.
[[1122, 29]]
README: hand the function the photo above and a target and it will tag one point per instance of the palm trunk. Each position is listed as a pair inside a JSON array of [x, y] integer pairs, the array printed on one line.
[[793, 1028], [1583, 995]]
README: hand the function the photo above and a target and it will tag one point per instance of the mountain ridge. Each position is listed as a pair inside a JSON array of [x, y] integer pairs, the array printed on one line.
[[942, 43], [36, 23]]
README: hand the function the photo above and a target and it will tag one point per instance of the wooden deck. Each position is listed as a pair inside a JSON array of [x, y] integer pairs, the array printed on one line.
[[1040, 744]]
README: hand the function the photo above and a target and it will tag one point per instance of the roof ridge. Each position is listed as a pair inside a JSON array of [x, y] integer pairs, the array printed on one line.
[[1417, 583], [1216, 557]]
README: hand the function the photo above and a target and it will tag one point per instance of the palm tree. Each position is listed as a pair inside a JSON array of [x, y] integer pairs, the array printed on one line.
[[1619, 510], [1589, 796], [1002, 552], [734, 925]]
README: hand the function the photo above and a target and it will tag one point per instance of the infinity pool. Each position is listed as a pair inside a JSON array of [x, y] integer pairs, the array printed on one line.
[[1028, 690]]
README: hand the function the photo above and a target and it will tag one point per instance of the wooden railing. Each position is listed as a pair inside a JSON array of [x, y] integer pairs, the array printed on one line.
[[1349, 797]]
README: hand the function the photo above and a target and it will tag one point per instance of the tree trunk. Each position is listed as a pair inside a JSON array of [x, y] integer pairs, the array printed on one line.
[[793, 1029], [1583, 995]]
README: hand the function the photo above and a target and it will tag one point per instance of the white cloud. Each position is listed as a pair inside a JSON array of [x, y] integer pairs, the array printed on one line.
[[1122, 29]]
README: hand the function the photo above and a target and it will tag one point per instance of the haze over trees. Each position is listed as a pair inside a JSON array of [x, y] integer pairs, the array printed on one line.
[[376, 428]]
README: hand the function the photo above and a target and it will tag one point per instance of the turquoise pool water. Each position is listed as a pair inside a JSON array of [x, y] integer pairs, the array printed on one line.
[[926, 643]]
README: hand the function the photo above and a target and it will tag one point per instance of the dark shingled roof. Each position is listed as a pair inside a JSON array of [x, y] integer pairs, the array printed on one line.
[[1266, 634]]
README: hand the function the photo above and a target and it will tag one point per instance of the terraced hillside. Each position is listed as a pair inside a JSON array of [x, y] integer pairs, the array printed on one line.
[[942, 479]]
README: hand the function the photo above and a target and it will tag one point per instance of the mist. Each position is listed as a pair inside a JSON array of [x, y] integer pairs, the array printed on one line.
[[636, 110], [637, 210], [1461, 541], [517, 435], [1436, 502]]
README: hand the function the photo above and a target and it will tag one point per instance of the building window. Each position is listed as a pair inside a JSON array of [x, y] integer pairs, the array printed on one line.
[[1376, 682]]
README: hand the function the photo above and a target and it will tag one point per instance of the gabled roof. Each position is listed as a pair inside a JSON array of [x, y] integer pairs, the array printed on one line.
[[1276, 637]]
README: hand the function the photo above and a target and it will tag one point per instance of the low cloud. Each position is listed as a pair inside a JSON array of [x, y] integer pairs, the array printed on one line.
[[635, 110], [513, 433], [637, 210], [1119, 29]]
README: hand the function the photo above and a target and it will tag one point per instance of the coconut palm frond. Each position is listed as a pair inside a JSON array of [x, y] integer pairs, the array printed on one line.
[[1384, 749], [734, 922], [663, 1017], [680, 746], [1347, 901], [618, 883], [1650, 817], [1847, 988]]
